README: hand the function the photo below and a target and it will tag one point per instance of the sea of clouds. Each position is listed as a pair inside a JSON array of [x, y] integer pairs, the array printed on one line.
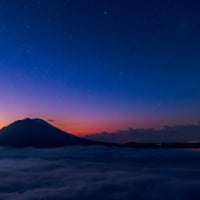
[[94, 173]]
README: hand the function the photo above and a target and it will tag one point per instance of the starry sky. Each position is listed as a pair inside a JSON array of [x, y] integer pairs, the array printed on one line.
[[100, 65]]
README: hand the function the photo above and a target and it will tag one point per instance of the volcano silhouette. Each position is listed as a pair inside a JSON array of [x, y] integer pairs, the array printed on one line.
[[37, 133]]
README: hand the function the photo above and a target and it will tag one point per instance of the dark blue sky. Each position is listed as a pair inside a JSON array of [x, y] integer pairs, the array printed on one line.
[[100, 64]]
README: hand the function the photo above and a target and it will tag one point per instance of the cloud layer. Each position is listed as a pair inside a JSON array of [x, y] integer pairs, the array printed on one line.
[[98, 173], [182, 133]]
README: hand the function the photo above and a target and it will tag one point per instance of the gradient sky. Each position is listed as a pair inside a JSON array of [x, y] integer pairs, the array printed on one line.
[[96, 65]]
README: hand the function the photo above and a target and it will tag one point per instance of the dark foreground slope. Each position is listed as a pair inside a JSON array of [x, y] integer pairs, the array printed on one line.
[[37, 133]]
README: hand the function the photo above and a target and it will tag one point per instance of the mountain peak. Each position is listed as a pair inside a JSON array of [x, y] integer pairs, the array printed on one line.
[[36, 133], [31, 119], [36, 120]]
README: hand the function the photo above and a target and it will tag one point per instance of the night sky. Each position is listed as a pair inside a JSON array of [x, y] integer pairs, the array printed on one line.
[[100, 65]]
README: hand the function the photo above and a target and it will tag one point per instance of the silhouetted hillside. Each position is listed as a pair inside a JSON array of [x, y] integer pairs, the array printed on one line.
[[37, 133]]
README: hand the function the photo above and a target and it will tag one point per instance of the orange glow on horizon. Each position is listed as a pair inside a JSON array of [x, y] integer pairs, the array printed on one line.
[[86, 127], [81, 129]]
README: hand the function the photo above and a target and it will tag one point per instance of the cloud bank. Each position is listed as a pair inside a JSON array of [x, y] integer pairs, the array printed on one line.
[[89, 173], [182, 133]]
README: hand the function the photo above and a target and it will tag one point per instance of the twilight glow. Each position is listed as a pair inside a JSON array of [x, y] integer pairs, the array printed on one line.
[[92, 66]]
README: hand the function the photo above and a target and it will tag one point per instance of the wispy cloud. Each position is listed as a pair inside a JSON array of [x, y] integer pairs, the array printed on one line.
[[51, 120]]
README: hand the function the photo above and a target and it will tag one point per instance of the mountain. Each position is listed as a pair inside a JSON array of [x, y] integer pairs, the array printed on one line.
[[37, 133]]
